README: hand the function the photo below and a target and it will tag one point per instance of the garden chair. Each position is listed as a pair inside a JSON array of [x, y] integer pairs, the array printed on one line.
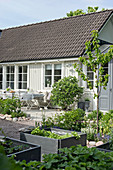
[[27, 100]]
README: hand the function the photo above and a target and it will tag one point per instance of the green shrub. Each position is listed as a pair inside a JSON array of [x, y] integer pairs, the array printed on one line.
[[93, 115], [68, 120], [65, 92], [106, 122], [11, 107]]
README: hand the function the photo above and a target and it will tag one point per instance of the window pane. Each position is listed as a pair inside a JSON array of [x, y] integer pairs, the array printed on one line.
[[0, 77], [24, 85], [0, 85], [57, 69], [20, 85], [57, 72], [1, 70], [12, 69], [89, 69], [20, 69], [48, 69], [24, 77], [57, 66], [7, 77], [90, 76], [12, 77], [20, 77], [11, 85], [91, 85], [24, 69], [105, 71], [48, 81], [7, 84], [56, 78], [7, 69]]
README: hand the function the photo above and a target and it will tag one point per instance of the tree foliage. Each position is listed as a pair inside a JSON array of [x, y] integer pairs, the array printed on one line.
[[66, 91], [96, 60], [81, 12]]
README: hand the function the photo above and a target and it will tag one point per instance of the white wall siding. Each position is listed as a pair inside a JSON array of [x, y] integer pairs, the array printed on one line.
[[35, 76], [106, 33], [69, 69]]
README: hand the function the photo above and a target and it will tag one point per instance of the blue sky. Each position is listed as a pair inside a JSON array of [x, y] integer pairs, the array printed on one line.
[[22, 12]]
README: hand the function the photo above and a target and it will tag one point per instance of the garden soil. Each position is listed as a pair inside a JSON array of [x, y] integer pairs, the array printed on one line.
[[11, 129]]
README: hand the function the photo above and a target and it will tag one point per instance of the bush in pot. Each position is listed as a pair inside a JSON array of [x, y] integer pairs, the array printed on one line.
[[65, 92]]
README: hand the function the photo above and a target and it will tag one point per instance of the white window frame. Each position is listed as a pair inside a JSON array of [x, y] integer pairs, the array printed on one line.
[[6, 73], [52, 75], [1, 73], [17, 72], [91, 80]]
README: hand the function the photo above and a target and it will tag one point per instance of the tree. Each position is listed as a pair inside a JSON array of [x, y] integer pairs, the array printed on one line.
[[80, 11], [66, 91], [96, 60]]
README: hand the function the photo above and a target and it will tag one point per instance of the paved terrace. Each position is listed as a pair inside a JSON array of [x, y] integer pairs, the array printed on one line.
[[37, 114]]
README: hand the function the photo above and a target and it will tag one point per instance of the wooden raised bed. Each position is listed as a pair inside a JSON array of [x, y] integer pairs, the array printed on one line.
[[49, 145], [30, 152], [104, 147]]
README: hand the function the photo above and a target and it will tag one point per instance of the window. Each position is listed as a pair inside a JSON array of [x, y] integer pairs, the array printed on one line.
[[105, 67], [10, 71], [22, 77], [52, 74], [1, 77], [90, 75]]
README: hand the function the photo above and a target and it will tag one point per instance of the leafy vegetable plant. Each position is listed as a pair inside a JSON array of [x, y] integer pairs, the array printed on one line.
[[38, 131], [78, 158]]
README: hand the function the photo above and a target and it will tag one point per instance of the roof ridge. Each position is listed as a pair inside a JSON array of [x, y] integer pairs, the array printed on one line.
[[65, 18]]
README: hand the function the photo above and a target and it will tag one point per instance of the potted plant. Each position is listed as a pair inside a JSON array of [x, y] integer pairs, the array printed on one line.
[[87, 103], [21, 149], [57, 138]]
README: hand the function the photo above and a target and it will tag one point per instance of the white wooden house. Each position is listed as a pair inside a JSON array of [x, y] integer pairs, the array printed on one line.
[[35, 56]]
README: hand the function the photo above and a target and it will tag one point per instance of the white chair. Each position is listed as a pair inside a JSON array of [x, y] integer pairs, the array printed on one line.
[[27, 100]]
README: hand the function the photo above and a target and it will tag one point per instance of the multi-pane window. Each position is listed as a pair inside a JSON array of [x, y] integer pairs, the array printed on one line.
[[57, 72], [105, 67], [10, 71], [1, 76], [22, 77], [52, 74], [90, 75]]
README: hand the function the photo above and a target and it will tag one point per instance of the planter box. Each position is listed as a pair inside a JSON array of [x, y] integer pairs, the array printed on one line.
[[49, 145], [33, 152], [104, 147]]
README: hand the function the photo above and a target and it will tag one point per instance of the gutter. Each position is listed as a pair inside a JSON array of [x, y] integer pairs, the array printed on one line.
[[40, 61]]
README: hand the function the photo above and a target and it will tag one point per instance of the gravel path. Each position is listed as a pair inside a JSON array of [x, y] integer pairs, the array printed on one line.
[[11, 129]]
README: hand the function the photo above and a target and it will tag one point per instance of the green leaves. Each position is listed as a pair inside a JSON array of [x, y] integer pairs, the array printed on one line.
[[45, 133], [67, 120], [11, 107], [65, 92], [78, 158]]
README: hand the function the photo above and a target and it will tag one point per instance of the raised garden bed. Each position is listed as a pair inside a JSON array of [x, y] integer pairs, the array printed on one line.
[[104, 147], [49, 145], [21, 149]]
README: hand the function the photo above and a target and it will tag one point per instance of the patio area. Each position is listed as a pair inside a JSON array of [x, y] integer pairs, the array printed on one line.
[[37, 114]]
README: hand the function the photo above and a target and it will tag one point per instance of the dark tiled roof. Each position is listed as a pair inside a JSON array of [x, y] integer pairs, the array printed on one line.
[[53, 39]]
